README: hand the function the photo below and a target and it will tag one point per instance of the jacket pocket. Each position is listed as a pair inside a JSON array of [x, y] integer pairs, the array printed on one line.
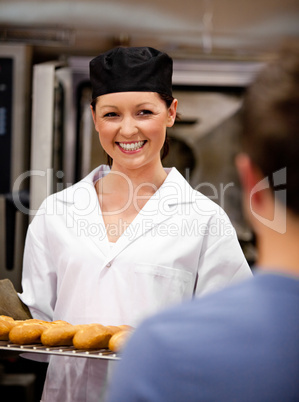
[[157, 286]]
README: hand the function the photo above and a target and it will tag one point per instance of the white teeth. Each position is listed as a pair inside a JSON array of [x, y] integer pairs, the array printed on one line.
[[131, 147]]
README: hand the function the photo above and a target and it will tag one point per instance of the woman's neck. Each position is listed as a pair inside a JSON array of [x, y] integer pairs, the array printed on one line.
[[146, 180], [122, 195]]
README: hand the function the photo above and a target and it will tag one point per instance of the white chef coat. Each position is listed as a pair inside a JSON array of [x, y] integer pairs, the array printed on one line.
[[179, 245]]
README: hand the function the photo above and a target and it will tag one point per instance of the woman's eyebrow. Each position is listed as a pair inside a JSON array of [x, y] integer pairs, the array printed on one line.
[[145, 103], [138, 105], [103, 106]]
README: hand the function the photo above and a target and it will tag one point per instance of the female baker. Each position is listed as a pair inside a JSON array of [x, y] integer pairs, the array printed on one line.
[[129, 239]]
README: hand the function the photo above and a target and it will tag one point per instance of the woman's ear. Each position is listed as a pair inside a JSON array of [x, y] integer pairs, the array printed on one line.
[[172, 113], [93, 116]]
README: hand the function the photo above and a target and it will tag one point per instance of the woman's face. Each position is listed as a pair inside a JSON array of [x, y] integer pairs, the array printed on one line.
[[132, 127]]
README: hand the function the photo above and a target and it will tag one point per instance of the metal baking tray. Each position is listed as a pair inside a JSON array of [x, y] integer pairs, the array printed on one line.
[[60, 350]]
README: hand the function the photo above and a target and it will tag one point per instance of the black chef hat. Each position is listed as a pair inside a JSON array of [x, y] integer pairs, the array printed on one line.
[[131, 69]]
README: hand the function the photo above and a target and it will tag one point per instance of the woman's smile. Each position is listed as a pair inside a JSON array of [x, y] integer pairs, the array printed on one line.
[[131, 146]]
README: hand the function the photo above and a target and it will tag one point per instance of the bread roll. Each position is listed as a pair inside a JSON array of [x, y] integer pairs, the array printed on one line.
[[6, 318], [92, 336], [126, 327], [27, 333], [62, 333], [5, 327], [59, 322], [29, 321], [118, 340], [59, 335], [113, 329], [7, 323]]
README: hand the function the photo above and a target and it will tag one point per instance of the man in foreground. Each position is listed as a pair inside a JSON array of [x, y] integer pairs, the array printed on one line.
[[242, 343]]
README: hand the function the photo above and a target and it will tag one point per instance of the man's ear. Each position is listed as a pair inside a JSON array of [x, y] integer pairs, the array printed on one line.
[[250, 176], [243, 164]]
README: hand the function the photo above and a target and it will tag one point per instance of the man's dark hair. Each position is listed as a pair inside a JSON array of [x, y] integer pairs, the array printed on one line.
[[271, 120]]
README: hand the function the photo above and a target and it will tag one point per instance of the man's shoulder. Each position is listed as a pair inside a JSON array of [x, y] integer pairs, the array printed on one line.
[[246, 306], [222, 342]]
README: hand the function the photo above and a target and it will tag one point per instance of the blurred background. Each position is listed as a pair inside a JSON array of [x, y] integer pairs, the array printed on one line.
[[188, 28], [47, 139]]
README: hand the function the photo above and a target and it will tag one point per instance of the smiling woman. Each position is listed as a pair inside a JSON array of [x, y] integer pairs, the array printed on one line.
[[130, 238], [132, 129]]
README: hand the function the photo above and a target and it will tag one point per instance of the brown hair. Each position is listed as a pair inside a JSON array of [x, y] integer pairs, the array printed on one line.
[[165, 149], [271, 120]]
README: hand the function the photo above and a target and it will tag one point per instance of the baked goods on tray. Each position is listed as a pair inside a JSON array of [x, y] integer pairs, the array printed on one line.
[[118, 340], [62, 333]]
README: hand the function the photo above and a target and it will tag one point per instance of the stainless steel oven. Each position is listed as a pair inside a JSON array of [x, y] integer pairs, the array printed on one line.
[[15, 78]]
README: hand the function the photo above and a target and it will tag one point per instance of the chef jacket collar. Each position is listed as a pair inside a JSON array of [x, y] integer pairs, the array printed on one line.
[[175, 189]]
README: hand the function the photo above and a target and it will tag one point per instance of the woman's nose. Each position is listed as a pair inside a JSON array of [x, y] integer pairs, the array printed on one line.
[[128, 126]]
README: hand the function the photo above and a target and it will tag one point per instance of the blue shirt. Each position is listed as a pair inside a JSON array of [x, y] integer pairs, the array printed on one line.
[[239, 344]]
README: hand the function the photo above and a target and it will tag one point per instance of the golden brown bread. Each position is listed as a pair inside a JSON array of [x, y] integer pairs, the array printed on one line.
[[126, 327], [92, 336], [5, 327], [62, 333], [27, 333], [118, 340], [29, 321], [113, 329], [59, 322], [59, 335], [6, 318], [7, 323]]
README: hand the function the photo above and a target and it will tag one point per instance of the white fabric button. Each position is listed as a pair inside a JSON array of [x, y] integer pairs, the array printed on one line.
[[108, 265]]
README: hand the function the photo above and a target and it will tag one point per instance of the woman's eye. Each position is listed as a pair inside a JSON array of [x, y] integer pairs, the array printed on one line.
[[145, 112], [110, 114]]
